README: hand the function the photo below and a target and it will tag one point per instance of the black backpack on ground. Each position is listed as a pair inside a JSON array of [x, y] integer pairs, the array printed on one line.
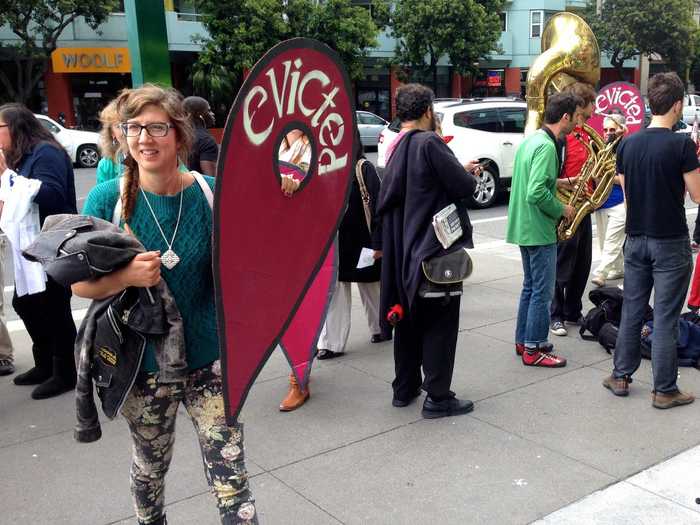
[[607, 336], [607, 311]]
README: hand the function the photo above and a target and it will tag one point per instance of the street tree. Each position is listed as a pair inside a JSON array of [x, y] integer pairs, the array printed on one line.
[[626, 29], [426, 30], [240, 32], [38, 24]]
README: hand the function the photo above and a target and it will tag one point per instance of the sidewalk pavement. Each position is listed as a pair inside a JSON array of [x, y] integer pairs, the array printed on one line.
[[538, 440]]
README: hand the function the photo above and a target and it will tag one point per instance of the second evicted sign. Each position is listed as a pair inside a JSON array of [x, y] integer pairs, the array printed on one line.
[[91, 60]]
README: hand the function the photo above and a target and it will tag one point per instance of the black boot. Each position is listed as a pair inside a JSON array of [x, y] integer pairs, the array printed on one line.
[[62, 380], [41, 371]]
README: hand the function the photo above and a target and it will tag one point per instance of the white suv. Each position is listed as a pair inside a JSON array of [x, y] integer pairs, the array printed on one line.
[[80, 145], [486, 129]]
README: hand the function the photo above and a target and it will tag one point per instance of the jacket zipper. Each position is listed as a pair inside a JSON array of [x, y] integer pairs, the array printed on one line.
[[115, 326], [142, 349]]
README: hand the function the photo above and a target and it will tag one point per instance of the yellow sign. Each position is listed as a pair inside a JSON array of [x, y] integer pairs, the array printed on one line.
[[91, 60]]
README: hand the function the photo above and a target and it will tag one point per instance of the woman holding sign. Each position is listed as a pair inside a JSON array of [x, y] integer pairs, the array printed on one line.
[[169, 211]]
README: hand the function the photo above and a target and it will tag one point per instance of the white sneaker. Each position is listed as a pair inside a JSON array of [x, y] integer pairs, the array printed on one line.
[[558, 328]]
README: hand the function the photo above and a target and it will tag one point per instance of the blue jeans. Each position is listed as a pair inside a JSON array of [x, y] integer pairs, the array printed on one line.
[[665, 265], [539, 267]]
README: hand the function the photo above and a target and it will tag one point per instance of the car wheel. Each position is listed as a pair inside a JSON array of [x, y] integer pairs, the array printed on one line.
[[486, 192], [88, 156]]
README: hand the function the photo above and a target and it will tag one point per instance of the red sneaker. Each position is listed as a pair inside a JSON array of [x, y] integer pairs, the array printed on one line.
[[543, 359]]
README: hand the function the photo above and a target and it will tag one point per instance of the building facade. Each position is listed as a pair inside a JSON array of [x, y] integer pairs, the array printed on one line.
[[90, 67]]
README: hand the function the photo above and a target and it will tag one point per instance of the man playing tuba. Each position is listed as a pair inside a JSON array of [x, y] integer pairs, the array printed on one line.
[[574, 255]]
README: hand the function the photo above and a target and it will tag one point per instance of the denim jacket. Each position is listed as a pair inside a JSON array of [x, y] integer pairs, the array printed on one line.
[[112, 337]]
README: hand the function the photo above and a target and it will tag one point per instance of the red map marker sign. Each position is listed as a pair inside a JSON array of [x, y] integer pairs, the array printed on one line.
[[268, 248], [619, 97]]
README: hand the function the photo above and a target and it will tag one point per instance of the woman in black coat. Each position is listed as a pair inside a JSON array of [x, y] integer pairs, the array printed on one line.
[[353, 235], [30, 150]]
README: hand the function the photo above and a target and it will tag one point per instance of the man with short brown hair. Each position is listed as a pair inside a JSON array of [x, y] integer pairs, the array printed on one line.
[[656, 166]]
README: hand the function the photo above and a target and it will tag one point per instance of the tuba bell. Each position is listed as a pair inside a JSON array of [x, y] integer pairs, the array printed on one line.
[[570, 53]]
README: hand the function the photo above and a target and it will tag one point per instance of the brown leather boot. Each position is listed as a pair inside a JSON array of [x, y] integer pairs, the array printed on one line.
[[674, 399], [295, 397]]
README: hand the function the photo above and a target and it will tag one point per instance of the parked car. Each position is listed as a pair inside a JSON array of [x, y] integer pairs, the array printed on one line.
[[691, 109], [370, 126], [80, 145], [485, 129]]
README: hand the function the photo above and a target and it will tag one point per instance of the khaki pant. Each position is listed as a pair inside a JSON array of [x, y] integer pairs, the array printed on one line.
[[6, 350], [337, 326], [611, 239]]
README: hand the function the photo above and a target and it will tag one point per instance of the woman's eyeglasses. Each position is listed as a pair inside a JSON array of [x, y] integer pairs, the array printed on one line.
[[154, 129], [610, 130]]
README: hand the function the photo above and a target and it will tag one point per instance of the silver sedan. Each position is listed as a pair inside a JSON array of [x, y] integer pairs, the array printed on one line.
[[370, 126]]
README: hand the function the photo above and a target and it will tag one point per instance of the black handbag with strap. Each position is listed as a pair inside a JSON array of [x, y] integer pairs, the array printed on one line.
[[444, 274]]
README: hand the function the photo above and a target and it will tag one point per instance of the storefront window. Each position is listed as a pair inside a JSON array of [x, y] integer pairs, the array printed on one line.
[[523, 82], [373, 90], [489, 83], [443, 88], [91, 93]]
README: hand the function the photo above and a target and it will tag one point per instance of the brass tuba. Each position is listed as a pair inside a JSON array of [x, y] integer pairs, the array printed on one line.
[[570, 53]]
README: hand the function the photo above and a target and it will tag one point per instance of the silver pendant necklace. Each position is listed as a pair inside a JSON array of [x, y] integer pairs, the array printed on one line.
[[169, 258]]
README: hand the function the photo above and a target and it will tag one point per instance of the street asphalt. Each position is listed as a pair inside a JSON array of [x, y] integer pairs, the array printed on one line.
[[549, 445]]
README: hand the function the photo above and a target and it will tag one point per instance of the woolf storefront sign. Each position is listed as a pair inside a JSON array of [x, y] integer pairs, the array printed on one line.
[[274, 260], [91, 60]]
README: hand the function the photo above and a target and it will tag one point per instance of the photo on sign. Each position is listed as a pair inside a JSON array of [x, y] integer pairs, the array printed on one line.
[[294, 155]]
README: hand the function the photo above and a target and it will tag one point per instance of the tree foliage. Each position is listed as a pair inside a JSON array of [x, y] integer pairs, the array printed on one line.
[[241, 31], [38, 24], [626, 29], [465, 31]]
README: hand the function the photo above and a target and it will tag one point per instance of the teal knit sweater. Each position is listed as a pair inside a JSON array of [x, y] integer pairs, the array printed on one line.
[[191, 281]]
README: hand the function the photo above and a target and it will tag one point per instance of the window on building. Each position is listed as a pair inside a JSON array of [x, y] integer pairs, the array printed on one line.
[[504, 21], [513, 120], [536, 23], [119, 9], [482, 120], [186, 10]]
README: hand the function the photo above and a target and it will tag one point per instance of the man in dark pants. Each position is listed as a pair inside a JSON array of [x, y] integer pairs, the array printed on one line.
[[422, 177], [656, 166], [574, 256]]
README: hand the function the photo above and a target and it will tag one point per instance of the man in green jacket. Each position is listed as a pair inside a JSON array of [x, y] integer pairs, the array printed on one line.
[[533, 214]]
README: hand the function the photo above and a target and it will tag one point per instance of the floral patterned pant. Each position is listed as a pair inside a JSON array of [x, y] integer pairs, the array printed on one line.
[[151, 409]]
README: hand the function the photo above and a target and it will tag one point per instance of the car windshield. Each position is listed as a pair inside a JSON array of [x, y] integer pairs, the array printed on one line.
[[395, 125]]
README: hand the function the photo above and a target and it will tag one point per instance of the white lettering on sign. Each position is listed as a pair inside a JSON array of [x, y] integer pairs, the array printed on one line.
[[619, 98], [289, 100]]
